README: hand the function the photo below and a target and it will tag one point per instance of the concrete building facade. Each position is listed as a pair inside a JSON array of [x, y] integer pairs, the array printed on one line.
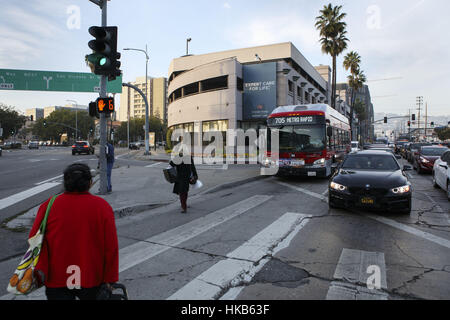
[[240, 88], [35, 113], [344, 93], [132, 102]]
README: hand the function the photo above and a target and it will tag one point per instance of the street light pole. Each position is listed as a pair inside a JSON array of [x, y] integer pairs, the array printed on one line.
[[147, 151], [76, 116], [187, 45]]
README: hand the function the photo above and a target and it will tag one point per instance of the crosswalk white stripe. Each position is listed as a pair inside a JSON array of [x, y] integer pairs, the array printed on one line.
[[144, 250], [153, 165], [244, 262], [11, 200], [351, 276]]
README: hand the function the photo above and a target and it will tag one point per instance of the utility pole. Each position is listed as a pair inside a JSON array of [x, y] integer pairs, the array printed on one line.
[[426, 121], [419, 104]]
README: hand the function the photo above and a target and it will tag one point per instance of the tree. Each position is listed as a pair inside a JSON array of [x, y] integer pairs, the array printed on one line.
[[443, 133], [137, 131], [356, 82], [356, 79], [333, 32], [64, 121], [10, 120]]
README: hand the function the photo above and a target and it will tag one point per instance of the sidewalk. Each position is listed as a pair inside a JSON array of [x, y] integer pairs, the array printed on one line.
[[137, 189]]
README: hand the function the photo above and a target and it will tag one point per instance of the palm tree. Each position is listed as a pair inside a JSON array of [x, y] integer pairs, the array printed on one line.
[[356, 82], [333, 32]]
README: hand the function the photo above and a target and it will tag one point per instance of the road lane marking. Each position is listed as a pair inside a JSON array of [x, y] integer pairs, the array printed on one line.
[[424, 235], [310, 193], [144, 250], [48, 180], [11, 200], [352, 274], [153, 165], [244, 262]]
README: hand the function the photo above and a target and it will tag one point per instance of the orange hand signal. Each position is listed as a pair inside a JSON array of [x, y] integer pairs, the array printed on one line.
[[101, 105]]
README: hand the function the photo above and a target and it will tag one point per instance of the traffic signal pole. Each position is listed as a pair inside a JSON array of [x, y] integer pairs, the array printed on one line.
[[103, 170]]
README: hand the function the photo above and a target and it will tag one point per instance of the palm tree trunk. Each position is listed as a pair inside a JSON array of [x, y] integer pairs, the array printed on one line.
[[333, 85], [352, 109]]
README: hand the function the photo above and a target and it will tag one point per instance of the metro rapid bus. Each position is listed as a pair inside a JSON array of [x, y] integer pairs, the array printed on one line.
[[311, 139]]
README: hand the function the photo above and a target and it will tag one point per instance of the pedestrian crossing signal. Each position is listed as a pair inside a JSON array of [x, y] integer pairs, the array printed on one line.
[[105, 105]]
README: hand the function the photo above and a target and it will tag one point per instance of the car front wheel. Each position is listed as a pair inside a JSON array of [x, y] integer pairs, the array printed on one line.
[[448, 190], [435, 185]]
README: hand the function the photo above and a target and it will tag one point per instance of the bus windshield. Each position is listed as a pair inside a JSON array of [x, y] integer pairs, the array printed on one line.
[[302, 138]]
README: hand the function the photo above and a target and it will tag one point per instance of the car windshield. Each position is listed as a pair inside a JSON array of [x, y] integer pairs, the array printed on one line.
[[371, 162], [354, 145], [437, 152], [302, 138], [81, 143]]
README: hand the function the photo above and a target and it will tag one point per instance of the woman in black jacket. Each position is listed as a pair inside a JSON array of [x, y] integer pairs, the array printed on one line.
[[186, 175]]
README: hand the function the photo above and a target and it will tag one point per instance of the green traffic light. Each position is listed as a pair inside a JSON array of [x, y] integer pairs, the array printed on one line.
[[102, 61]]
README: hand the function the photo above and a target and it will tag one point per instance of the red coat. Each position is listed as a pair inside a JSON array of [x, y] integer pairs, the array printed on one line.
[[81, 231]]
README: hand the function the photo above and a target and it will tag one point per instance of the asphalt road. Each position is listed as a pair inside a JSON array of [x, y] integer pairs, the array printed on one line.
[[277, 239]]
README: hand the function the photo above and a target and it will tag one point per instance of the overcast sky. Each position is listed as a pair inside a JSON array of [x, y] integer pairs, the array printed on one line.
[[403, 41]]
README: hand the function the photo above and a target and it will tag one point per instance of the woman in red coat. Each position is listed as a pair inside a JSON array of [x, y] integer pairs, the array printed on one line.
[[80, 249]]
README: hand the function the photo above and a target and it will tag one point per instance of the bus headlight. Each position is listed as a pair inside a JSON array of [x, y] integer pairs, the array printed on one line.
[[337, 186], [319, 162], [401, 190]]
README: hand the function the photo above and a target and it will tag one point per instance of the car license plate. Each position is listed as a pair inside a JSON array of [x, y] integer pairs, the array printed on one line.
[[297, 163], [312, 174], [367, 201]]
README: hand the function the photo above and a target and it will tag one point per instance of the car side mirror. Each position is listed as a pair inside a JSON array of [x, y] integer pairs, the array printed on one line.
[[329, 132], [407, 168]]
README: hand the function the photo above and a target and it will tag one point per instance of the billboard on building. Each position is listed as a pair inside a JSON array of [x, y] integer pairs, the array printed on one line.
[[260, 90]]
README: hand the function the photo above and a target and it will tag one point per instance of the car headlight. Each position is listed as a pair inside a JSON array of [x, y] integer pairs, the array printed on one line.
[[319, 162], [424, 160], [337, 186], [401, 190]]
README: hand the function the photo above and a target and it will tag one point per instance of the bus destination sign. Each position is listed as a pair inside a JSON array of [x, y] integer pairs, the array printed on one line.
[[295, 120]]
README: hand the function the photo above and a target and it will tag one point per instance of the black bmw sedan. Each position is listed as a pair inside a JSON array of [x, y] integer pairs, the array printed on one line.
[[371, 180]]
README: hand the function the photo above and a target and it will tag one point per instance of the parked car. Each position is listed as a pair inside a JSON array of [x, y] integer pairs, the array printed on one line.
[[80, 147], [371, 180], [33, 145], [134, 146], [414, 150], [441, 173], [424, 160]]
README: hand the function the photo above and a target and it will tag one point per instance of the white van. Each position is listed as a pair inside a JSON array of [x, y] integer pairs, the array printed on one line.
[[355, 146]]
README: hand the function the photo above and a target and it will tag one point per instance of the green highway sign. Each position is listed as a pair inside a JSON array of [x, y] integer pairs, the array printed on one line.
[[55, 81]]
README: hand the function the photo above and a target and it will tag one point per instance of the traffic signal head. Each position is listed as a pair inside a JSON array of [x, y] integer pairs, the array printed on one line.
[[385, 120], [104, 57], [93, 110], [105, 105], [409, 123], [45, 123], [432, 124], [413, 117]]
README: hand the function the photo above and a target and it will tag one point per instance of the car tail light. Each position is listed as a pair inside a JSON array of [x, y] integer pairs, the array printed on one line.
[[73, 146], [85, 147]]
